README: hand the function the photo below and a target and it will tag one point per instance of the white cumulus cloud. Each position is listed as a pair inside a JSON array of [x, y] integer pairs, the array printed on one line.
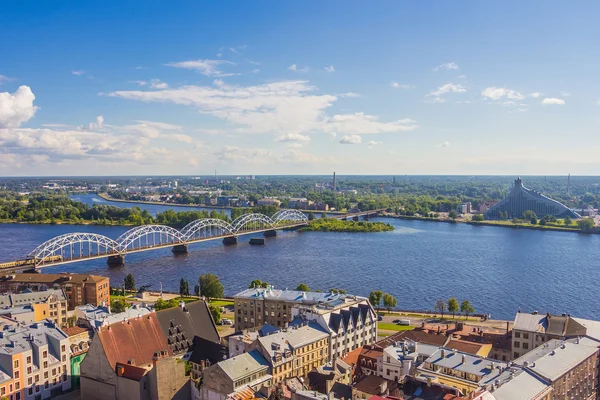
[[330, 69], [205, 67], [497, 93], [295, 68], [77, 73], [445, 89], [157, 84], [449, 65], [444, 144], [360, 123], [16, 108], [293, 137], [553, 101], [397, 85], [536, 95], [351, 139]]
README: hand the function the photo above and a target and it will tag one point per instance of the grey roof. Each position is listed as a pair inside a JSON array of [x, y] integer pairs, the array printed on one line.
[[243, 365], [486, 369], [294, 296], [592, 327], [29, 297], [555, 358], [294, 337], [100, 316], [409, 349], [520, 384], [549, 324]]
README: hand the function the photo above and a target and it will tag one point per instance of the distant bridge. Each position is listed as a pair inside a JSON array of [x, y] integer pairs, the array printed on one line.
[[76, 247]]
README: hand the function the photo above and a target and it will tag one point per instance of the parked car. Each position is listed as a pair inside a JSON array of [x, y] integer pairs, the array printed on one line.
[[379, 317], [403, 322], [226, 321]]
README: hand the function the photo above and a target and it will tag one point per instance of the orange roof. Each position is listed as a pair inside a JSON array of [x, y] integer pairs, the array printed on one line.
[[466, 347], [132, 372], [352, 357], [137, 339], [75, 330]]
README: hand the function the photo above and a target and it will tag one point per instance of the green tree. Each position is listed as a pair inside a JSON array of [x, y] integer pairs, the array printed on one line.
[[452, 214], [375, 298], [197, 290], [118, 306], [389, 301], [585, 224], [567, 221], [528, 214], [311, 216], [211, 286], [184, 288], [466, 308], [216, 314], [452, 306], [440, 306], [303, 287], [533, 221], [477, 218], [323, 216], [257, 283], [129, 282]]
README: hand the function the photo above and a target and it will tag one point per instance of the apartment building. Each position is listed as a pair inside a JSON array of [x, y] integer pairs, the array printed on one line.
[[34, 360], [30, 307], [460, 370], [294, 351], [350, 321], [80, 289], [531, 330], [401, 358]]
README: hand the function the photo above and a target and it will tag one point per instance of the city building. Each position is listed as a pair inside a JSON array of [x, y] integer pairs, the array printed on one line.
[[34, 360], [299, 203], [255, 307], [227, 201], [79, 340], [294, 351], [460, 370], [373, 385], [350, 321], [94, 317], [327, 377], [521, 199], [530, 330], [237, 377], [242, 341], [80, 288], [30, 307], [132, 360], [268, 201], [369, 361], [401, 359]]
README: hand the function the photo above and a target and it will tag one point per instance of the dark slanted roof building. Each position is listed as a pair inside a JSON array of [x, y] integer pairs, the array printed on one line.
[[521, 199]]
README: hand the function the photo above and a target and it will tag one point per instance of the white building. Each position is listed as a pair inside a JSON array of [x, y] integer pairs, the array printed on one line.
[[350, 321], [400, 358]]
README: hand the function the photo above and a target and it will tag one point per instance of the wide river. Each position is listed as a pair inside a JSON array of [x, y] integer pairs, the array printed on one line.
[[497, 269]]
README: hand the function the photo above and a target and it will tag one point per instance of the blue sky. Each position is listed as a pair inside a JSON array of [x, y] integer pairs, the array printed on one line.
[[274, 87]]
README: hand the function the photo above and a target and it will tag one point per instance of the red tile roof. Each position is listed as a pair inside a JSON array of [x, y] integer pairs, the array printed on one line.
[[467, 347], [75, 330], [137, 339]]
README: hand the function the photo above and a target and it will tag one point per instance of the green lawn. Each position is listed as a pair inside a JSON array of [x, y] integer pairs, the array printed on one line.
[[222, 303], [394, 327]]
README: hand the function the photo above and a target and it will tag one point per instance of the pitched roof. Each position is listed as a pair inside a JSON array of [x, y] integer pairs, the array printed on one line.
[[550, 324], [467, 347], [137, 339], [416, 335], [181, 325], [75, 330], [243, 365], [53, 278], [131, 371], [294, 337]]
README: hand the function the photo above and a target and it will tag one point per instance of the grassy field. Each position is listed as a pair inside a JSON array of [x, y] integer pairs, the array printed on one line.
[[394, 327], [222, 303]]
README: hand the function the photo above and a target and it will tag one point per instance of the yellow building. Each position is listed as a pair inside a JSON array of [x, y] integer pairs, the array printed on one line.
[[294, 351]]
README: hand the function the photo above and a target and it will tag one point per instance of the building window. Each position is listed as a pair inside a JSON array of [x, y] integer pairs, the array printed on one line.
[[17, 385], [45, 364], [45, 354], [517, 345], [517, 334], [16, 363], [526, 336], [17, 374], [46, 375], [28, 359], [28, 370], [526, 345]]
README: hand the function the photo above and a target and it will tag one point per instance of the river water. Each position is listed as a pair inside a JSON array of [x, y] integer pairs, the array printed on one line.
[[497, 269]]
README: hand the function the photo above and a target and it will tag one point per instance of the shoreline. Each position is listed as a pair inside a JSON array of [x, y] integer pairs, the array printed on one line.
[[500, 225], [106, 197]]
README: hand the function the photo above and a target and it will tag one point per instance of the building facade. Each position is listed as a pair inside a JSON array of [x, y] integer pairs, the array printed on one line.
[[34, 360], [521, 199], [80, 289], [30, 307]]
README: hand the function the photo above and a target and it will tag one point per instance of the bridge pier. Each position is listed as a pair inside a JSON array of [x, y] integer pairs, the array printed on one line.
[[230, 240], [180, 249], [257, 241], [355, 218], [116, 261], [271, 233]]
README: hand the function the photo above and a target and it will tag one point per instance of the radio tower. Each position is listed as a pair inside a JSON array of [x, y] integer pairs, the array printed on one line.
[[569, 185]]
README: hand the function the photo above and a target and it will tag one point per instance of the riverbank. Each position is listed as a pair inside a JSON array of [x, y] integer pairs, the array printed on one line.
[[504, 224], [106, 197]]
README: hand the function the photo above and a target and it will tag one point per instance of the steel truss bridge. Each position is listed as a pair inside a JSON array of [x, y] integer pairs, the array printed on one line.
[[75, 247]]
